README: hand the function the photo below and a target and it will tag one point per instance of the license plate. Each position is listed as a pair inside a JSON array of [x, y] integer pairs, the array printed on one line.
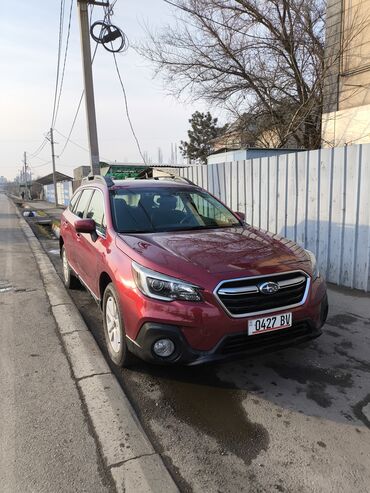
[[267, 324]]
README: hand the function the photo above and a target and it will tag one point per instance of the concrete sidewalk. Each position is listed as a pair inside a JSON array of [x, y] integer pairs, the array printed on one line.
[[46, 443]]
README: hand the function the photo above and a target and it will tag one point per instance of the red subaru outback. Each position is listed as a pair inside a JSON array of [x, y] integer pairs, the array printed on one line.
[[181, 278]]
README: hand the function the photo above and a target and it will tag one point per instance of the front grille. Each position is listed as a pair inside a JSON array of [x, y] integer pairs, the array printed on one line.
[[242, 297], [243, 342]]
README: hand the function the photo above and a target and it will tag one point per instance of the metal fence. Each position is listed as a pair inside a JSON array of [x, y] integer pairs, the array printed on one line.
[[321, 199]]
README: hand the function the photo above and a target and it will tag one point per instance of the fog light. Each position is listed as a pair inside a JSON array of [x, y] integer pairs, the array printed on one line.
[[164, 348]]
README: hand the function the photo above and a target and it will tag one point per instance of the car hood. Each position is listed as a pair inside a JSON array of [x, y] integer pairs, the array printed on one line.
[[235, 252]]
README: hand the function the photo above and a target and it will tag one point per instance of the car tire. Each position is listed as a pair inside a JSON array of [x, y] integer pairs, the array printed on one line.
[[69, 279], [114, 332]]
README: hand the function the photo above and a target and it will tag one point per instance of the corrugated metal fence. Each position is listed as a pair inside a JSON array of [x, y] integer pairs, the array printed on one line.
[[321, 199]]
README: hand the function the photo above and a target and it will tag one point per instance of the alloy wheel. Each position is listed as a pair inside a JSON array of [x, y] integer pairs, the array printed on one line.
[[112, 319], [65, 267]]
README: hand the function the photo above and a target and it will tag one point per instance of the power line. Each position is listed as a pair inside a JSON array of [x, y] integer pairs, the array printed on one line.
[[77, 110], [44, 162], [39, 149], [64, 61], [109, 32], [127, 110], [40, 165], [112, 32], [61, 22], [108, 14], [39, 158], [77, 144], [56, 97], [80, 101], [72, 141], [73, 124]]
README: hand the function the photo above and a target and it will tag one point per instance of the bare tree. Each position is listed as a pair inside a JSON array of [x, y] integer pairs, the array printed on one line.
[[257, 57]]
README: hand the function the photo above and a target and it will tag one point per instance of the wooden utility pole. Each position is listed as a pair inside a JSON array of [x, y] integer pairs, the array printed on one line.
[[25, 174], [89, 86], [54, 174]]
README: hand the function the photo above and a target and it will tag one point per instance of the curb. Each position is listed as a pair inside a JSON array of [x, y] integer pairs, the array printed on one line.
[[125, 448]]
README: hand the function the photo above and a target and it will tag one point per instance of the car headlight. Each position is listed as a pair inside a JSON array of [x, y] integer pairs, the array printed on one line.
[[315, 268], [162, 287]]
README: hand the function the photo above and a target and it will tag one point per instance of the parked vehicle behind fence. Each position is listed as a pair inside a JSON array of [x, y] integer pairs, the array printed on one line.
[[180, 278]]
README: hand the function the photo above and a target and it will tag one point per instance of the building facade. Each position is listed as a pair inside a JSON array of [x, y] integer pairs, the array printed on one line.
[[346, 111], [63, 185]]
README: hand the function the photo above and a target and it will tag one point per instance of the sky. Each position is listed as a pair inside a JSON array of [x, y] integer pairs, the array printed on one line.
[[28, 59]]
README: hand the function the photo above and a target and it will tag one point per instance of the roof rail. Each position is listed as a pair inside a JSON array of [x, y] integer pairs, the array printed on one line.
[[187, 180], [176, 178], [107, 180], [167, 176]]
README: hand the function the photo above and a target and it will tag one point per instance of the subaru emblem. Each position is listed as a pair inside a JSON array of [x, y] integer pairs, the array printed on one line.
[[268, 287]]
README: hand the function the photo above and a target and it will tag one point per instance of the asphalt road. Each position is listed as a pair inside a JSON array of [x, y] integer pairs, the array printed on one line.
[[294, 421]]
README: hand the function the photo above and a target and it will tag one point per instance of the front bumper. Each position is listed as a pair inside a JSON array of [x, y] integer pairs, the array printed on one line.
[[231, 346]]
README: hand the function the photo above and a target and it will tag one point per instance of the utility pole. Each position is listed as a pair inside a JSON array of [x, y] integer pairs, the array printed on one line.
[[25, 174], [53, 160], [89, 86]]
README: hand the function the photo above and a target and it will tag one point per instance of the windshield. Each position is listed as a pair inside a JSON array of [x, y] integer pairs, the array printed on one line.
[[151, 210]]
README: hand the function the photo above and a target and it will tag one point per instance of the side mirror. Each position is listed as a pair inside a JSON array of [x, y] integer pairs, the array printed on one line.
[[240, 215], [85, 226]]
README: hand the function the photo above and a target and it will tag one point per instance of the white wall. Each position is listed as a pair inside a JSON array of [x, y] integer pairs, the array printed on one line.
[[64, 191], [321, 199], [346, 126]]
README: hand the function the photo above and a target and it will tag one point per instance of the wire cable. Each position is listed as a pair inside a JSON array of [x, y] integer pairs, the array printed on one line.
[[36, 157], [127, 109], [73, 124], [64, 62], [72, 141], [39, 149], [107, 20], [77, 144], [77, 110], [104, 26], [40, 165], [108, 32], [56, 98], [61, 22]]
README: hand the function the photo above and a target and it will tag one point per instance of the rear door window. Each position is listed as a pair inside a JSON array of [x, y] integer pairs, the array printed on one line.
[[82, 203]]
